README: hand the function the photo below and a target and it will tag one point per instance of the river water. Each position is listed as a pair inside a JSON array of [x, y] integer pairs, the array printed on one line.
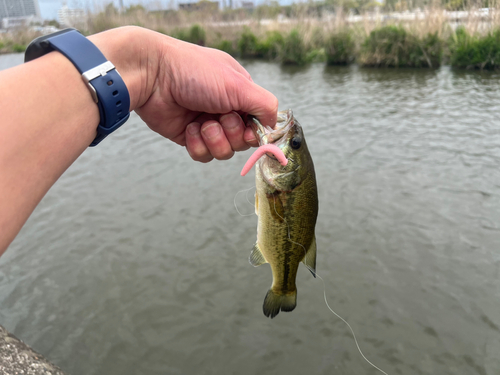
[[136, 260]]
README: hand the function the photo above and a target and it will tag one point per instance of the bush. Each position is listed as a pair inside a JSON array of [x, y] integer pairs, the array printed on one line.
[[393, 46], [340, 49], [248, 44], [226, 46], [316, 55], [467, 51], [18, 48], [195, 35], [294, 51], [271, 46]]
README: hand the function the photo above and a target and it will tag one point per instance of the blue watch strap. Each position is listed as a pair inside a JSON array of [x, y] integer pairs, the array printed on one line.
[[114, 104], [105, 84], [78, 49]]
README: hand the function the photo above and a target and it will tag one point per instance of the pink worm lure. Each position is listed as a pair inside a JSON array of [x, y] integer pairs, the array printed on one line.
[[275, 150]]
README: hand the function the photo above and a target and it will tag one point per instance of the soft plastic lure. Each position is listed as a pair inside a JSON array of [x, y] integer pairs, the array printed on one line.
[[275, 150]]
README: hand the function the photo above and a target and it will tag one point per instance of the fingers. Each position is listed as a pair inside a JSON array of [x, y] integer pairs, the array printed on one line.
[[234, 129], [249, 137], [207, 138], [216, 141], [195, 144]]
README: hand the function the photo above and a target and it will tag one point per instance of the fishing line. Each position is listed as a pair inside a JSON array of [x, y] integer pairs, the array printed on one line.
[[324, 293], [246, 196]]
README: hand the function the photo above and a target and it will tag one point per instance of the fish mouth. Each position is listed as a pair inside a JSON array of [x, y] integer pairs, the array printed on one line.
[[266, 134], [270, 155]]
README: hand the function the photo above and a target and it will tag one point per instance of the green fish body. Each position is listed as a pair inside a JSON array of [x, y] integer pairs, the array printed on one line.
[[286, 202]]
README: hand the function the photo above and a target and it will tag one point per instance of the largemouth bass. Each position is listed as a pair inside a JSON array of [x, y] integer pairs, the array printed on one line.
[[286, 201]]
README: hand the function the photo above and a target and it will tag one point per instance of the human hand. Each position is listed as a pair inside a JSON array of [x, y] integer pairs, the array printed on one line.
[[190, 94]]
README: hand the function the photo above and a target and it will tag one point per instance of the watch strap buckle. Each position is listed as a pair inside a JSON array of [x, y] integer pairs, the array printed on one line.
[[98, 71]]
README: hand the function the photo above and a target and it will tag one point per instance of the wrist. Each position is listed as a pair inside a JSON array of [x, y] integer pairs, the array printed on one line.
[[131, 50]]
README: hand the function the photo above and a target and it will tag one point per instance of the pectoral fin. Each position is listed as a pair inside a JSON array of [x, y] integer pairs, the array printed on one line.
[[310, 258], [256, 257]]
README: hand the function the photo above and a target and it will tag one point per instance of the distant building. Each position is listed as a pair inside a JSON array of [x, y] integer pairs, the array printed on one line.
[[205, 6], [15, 13], [247, 5], [72, 17]]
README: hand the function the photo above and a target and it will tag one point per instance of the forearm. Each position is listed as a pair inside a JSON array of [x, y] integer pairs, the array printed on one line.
[[48, 119]]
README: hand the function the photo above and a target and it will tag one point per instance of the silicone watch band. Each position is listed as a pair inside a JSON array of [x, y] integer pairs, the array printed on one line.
[[105, 83]]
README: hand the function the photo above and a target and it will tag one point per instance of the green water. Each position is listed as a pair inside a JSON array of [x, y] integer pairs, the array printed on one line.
[[136, 261]]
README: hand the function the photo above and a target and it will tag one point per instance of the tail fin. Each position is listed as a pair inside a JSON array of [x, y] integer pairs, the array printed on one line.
[[273, 303]]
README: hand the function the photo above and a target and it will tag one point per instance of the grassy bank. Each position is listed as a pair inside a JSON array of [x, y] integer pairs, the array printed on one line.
[[296, 35], [16, 42]]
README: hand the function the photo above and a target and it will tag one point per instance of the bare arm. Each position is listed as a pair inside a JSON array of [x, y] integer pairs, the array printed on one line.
[[186, 93]]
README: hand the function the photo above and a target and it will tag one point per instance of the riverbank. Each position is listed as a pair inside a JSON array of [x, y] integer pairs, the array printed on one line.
[[424, 39], [18, 358]]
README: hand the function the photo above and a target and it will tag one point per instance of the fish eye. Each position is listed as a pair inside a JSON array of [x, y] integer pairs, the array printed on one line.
[[295, 142]]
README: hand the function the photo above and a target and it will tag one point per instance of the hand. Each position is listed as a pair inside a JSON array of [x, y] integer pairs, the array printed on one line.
[[190, 94]]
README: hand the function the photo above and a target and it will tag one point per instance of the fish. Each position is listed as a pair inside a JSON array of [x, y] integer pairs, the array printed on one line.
[[286, 203]]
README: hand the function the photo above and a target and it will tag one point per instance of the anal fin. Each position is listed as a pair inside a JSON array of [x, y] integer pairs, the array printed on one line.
[[256, 258], [310, 258]]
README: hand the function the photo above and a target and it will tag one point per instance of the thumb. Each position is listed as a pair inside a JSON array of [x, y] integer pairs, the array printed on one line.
[[256, 101]]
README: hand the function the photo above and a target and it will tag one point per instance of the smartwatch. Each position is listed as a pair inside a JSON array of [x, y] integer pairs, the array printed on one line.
[[101, 77]]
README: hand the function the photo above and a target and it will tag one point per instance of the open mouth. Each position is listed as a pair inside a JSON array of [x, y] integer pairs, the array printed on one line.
[[268, 135]]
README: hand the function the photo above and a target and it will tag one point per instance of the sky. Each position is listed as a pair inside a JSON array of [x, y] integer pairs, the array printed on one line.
[[49, 8]]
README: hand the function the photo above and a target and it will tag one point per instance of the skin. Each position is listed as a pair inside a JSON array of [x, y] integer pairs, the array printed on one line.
[[189, 94]]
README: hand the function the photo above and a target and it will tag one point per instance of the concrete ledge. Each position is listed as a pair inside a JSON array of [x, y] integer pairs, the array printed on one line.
[[18, 358]]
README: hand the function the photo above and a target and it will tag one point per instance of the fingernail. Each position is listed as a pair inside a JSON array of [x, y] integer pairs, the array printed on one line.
[[211, 130], [230, 121], [251, 140], [193, 128]]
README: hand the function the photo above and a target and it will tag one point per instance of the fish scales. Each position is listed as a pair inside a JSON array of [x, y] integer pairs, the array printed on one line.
[[287, 207]]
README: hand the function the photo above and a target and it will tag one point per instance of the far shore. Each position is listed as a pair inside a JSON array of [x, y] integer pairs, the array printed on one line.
[[307, 33]]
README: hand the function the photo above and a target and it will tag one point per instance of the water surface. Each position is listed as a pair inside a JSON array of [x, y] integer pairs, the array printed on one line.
[[136, 260]]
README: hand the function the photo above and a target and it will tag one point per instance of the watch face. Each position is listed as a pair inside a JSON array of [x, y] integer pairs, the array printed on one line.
[[41, 46]]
